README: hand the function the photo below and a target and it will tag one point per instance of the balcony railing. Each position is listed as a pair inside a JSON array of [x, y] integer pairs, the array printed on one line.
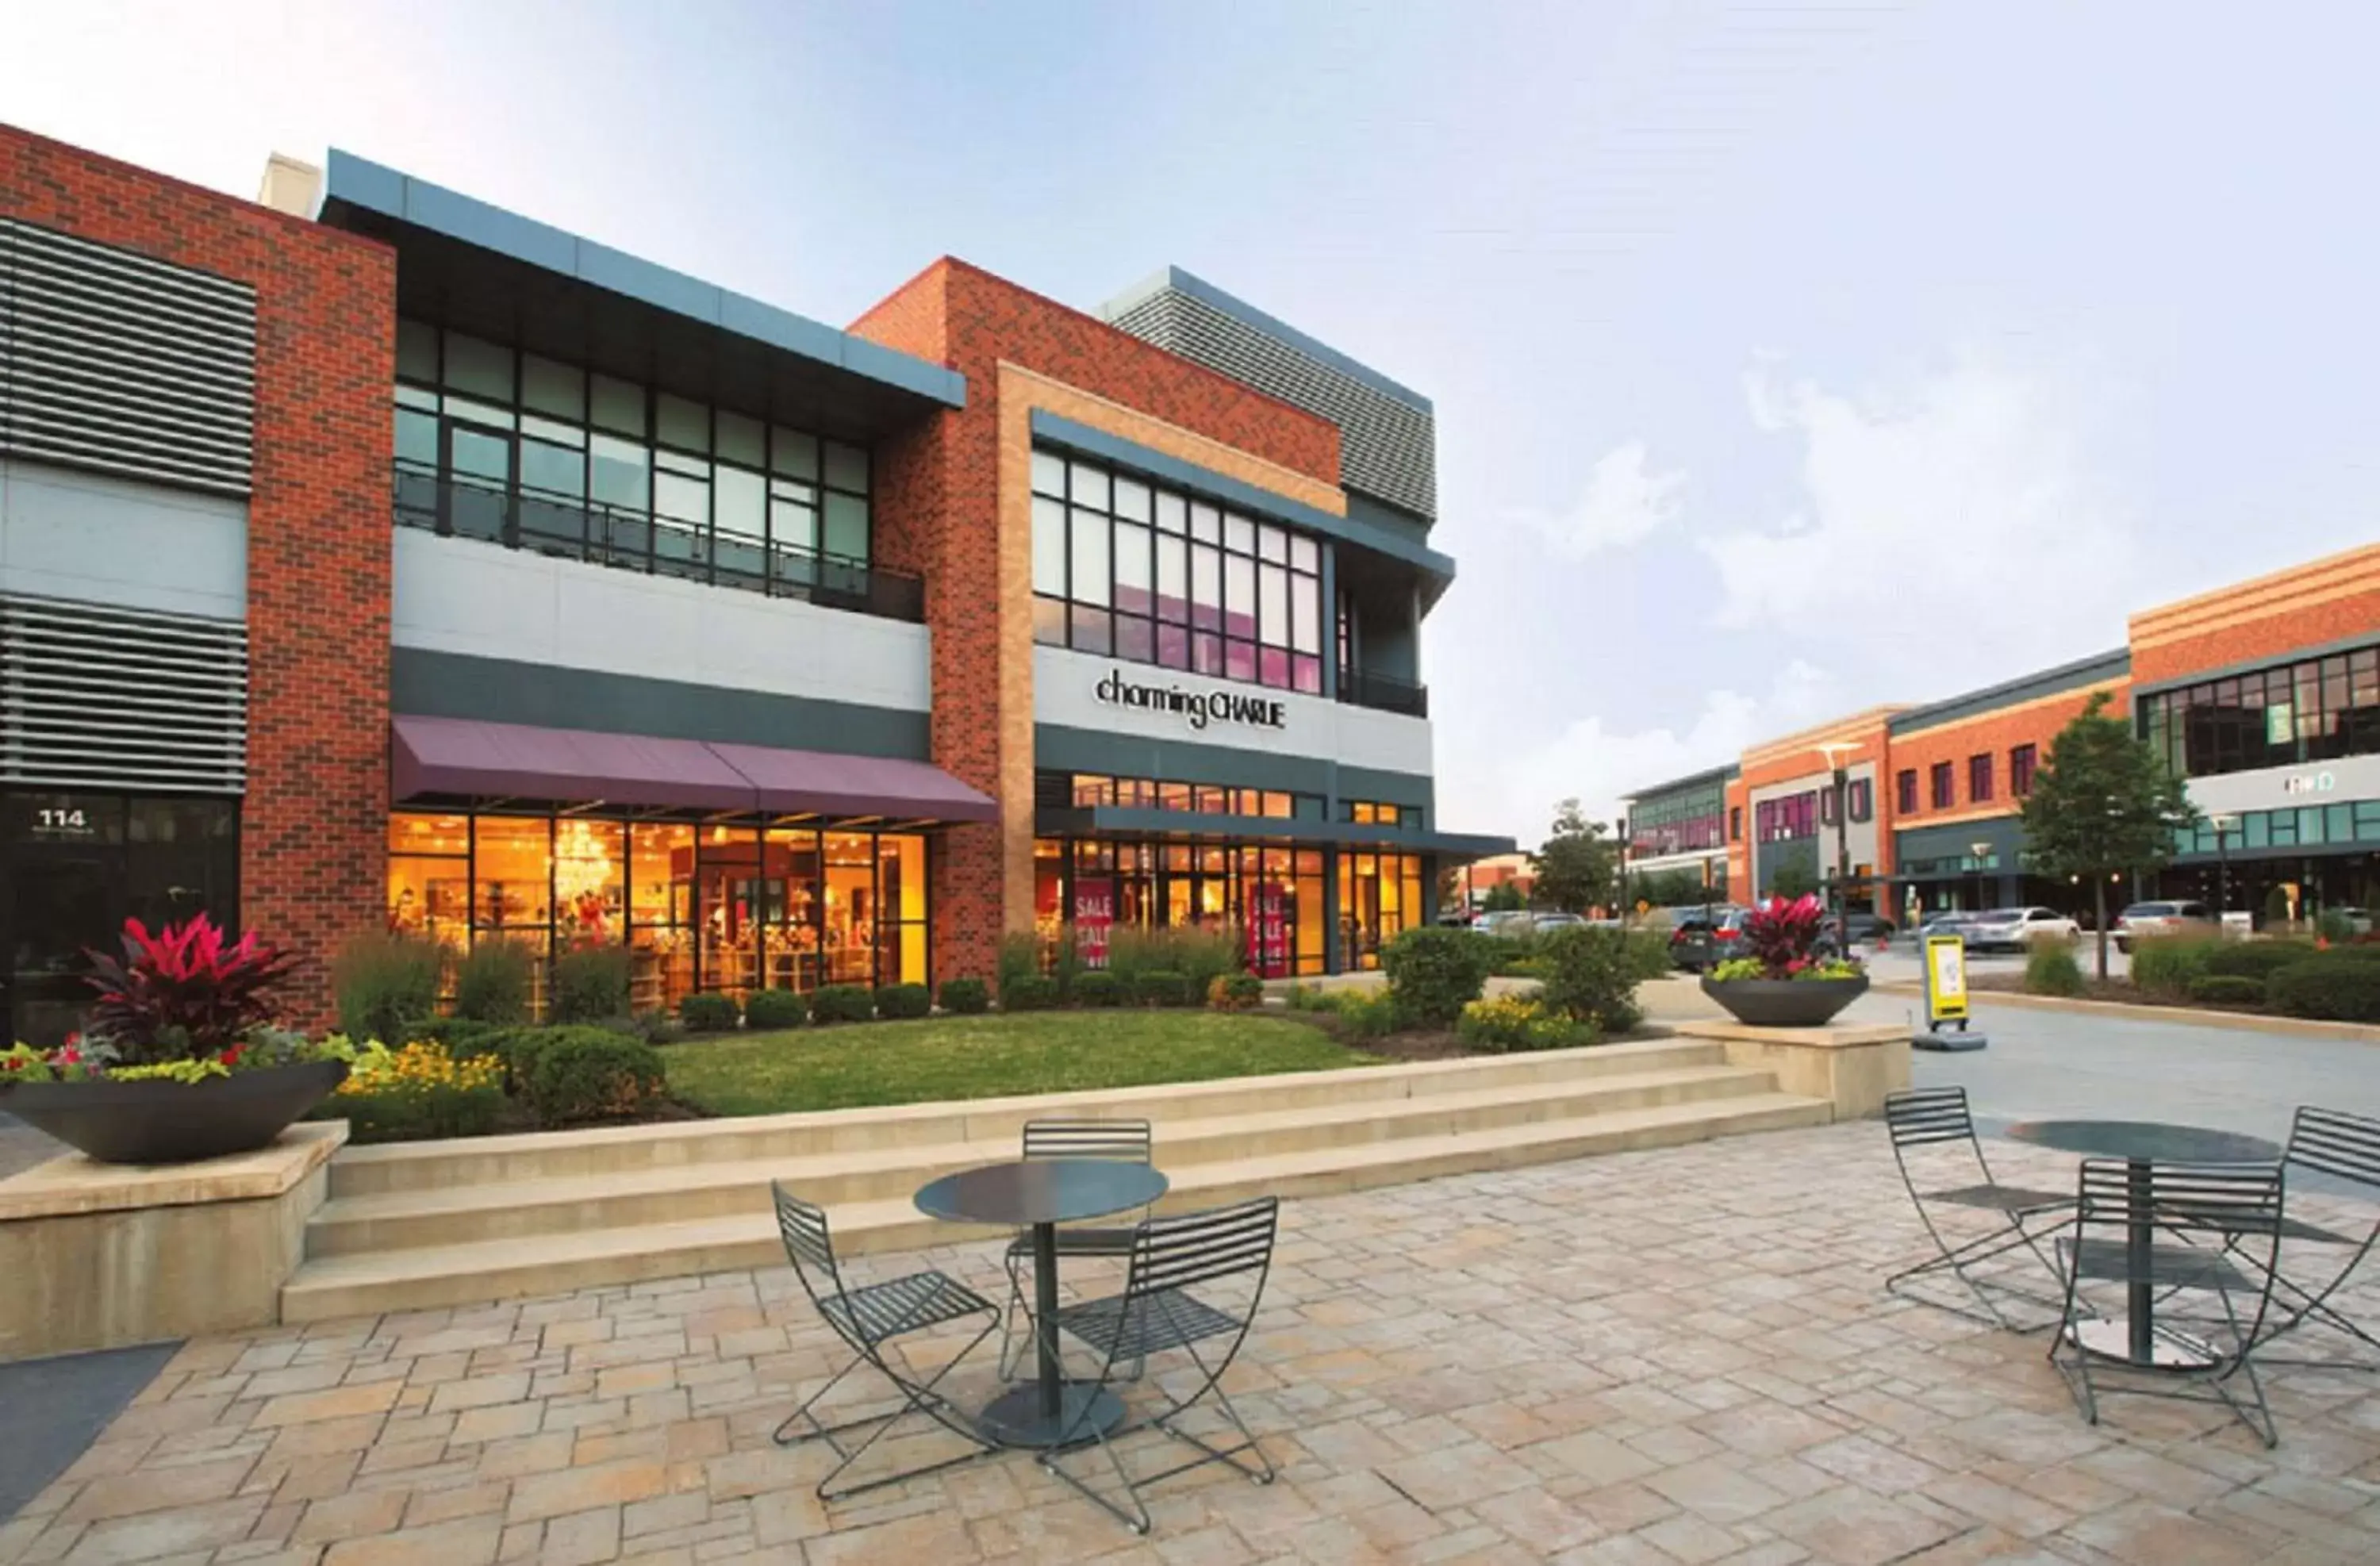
[[638, 541], [1360, 688]]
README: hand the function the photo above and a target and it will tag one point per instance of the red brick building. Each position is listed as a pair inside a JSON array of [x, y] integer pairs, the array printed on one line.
[[391, 559]]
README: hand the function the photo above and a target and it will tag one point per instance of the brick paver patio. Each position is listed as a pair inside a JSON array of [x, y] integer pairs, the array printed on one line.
[[1673, 1357]]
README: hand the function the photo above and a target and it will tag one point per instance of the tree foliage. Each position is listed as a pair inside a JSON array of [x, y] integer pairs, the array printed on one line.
[[2103, 804], [1502, 897], [1792, 879], [1579, 865]]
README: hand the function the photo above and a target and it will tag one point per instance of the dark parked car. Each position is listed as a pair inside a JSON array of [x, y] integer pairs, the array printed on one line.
[[1696, 942], [1866, 929]]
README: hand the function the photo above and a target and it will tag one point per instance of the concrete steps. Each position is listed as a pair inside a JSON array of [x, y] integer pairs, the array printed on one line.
[[423, 1225]]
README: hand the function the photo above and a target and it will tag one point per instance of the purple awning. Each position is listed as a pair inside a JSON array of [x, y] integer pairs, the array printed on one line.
[[466, 755]]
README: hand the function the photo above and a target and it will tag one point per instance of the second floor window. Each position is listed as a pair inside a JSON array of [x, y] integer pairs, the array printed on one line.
[[1941, 786], [1125, 569], [1863, 799], [1735, 824], [1905, 792], [1979, 778], [2021, 762]]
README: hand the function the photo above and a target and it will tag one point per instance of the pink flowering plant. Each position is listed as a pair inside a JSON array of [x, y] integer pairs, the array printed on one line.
[[1780, 941]]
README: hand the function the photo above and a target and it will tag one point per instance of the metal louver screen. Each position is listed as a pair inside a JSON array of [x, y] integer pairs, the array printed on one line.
[[1389, 448], [95, 697], [114, 362]]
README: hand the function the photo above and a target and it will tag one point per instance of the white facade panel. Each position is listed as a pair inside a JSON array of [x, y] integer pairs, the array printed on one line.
[[461, 596], [74, 535], [1066, 691], [2290, 788]]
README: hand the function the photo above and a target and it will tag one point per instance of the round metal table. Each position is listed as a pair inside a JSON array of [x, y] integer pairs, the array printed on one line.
[[1043, 1194], [2142, 1143]]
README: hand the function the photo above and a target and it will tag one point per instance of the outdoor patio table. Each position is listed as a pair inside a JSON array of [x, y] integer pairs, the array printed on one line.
[[2141, 1143], [1045, 1193]]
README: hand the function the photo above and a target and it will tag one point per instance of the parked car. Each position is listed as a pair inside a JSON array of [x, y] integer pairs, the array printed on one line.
[[2359, 920], [2012, 928], [2163, 918], [1697, 943], [1947, 921], [1865, 928], [1503, 921], [1545, 924]]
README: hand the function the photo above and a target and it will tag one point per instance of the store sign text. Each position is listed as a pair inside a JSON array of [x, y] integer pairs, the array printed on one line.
[[2310, 782], [1220, 704]]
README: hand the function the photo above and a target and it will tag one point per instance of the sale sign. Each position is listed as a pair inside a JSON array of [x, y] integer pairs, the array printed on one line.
[[1268, 919], [1094, 917]]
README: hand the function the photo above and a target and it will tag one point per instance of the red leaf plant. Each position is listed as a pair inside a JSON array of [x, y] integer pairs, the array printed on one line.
[[1781, 936], [185, 993]]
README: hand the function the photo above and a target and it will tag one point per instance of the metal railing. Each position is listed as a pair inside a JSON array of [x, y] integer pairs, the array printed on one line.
[[1360, 688], [640, 540]]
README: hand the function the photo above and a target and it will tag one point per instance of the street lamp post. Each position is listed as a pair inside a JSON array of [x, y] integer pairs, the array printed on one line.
[[1981, 851], [2223, 824]]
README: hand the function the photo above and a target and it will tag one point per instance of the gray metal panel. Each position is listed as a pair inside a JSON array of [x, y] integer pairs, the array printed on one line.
[[452, 684], [97, 696], [1061, 748], [119, 363], [1726, 774], [2082, 671], [1389, 438]]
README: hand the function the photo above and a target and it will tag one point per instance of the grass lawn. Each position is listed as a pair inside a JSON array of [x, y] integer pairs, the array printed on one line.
[[988, 1057]]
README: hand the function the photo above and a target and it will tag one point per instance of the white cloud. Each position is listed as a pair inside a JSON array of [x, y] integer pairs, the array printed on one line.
[[1954, 525], [1518, 790], [1624, 502]]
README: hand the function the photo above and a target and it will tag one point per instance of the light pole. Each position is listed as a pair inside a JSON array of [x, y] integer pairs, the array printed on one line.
[[1981, 851], [1836, 751], [2222, 824]]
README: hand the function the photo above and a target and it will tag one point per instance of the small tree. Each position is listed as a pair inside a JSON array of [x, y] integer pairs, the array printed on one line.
[[2102, 803], [1502, 897], [1793, 881], [1579, 863]]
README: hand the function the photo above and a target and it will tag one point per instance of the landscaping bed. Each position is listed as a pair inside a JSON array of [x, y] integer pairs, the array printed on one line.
[[2317, 980]]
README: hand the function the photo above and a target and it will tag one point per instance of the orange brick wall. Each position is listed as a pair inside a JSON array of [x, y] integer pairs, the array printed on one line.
[[2311, 605], [2035, 722], [316, 811]]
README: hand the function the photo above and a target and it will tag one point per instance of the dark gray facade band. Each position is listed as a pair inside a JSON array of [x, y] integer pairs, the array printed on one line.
[[116, 363], [452, 685], [1058, 747]]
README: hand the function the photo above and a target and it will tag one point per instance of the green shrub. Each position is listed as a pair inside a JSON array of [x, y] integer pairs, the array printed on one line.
[[1648, 954], [708, 1014], [1308, 998], [1198, 952], [461, 1036], [2333, 926], [1029, 992], [772, 1009], [2258, 960], [1066, 963], [1434, 972], [843, 1002], [419, 1094], [2365, 949], [516, 1047], [492, 981], [1509, 1025], [386, 987], [2167, 963], [1368, 1014], [2051, 969], [965, 996], [1511, 949], [2227, 989], [1591, 976], [589, 984], [1235, 992], [904, 1001], [2336, 988], [1162, 987], [1097, 987], [583, 1074], [1020, 956]]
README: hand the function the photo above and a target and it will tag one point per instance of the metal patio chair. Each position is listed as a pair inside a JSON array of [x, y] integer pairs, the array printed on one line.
[[869, 1318], [2198, 1336], [1226, 1254], [1127, 1141], [1938, 1119]]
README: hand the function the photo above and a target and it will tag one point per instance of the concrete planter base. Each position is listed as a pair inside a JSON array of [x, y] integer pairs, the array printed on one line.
[[1852, 1068]]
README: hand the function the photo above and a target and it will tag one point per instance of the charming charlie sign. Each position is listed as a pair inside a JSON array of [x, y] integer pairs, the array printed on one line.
[[1218, 704]]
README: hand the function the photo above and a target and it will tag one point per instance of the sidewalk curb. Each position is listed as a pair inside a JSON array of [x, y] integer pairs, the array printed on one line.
[[2185, 1016]]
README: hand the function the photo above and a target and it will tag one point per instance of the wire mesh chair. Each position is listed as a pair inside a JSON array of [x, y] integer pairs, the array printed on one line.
[[869, 1318], [1127, 1141], [2198, 1343], [2339, 1145], [1226, 1253], [1938, 1118]]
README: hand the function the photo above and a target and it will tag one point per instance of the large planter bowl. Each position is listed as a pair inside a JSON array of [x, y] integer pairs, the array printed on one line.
[[174, 1121], [1785, 1002]]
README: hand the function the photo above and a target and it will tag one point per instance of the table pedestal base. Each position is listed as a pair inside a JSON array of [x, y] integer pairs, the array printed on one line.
[[1015, 1419], [2168, 1350]]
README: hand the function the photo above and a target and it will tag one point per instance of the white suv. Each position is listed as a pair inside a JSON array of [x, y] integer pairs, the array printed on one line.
[[2015, 927], [2163, 918]]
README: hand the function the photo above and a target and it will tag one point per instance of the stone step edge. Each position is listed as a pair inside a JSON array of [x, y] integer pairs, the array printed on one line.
[[478, 1272], [1188, 1142], [1387, 1082]]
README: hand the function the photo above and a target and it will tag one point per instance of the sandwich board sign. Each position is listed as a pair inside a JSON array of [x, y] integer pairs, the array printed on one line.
[[1946, 994]]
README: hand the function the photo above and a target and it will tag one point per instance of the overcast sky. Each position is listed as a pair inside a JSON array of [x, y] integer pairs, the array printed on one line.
[[1788, 358]]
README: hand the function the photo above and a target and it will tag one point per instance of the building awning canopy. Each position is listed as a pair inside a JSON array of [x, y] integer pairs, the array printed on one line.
[[472, 758]]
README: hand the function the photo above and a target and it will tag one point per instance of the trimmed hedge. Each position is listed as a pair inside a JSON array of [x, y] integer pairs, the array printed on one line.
[[708, 1014], [1434, 972], [2167, 963], [2227, 989], [900, 1000], [965, 996], [2334, 988], [772, 1009], [2259, 960], [2051, 969], [1591, 976], [592, 1074], [1028, 992], [1097, 987], [1161, 987], [844, 1002]]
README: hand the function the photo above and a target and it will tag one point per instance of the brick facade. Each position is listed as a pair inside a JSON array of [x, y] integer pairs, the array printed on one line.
[[2268, 619], [315, 816], [938, 513], [1995, 734]]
